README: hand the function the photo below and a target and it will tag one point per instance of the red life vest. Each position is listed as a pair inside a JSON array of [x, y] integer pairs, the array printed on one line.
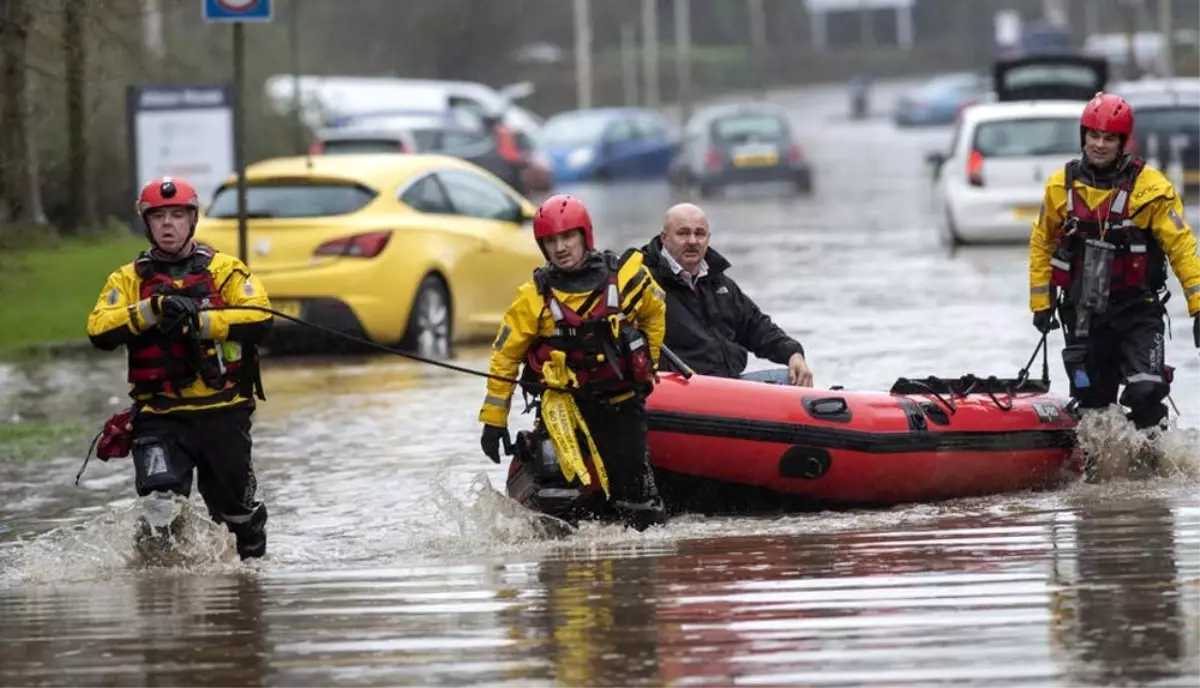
[[603, 364], [1138, 263], [165, 365]]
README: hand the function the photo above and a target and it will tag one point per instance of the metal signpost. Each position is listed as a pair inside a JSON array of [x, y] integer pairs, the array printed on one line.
[[237, 12]]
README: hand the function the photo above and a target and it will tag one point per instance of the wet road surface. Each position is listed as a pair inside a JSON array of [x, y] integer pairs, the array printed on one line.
[[391, 563]]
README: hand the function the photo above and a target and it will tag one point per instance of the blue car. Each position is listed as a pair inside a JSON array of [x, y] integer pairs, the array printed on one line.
[[606, 144], [939, 100]]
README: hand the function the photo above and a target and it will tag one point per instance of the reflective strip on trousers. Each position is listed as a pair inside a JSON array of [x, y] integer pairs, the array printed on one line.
[[1143, 377], [1036, 291], [1191, 291]]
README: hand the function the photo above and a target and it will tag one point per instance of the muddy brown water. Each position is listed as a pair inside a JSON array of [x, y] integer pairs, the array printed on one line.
[[391, 563]]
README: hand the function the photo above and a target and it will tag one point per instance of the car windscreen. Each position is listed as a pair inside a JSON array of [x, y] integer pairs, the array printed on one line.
[[364, 145], [1027, 137], [292, 199], [748, 128], [574, 129]]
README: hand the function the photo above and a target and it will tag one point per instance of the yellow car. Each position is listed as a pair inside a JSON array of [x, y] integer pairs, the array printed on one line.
[[417, 251]]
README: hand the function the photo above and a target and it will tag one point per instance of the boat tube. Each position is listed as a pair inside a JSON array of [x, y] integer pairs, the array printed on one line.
[[758, 444]]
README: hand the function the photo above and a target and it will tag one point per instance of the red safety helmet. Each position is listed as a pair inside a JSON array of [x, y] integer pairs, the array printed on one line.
[[560, 214], [165, 192], [1107, 112]]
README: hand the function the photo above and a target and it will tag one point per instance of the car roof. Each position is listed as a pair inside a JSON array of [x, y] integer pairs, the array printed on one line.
[[1162, 100], [389, 130], [751, 107], [604, 112], [1021, 109], [376, 170]]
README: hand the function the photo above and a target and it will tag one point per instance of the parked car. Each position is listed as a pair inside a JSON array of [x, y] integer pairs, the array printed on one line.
[[436, 134], [939, 100], [422, 251], [606, 144], [327, 98], [1167, 128], [989, 187], [740, 143]]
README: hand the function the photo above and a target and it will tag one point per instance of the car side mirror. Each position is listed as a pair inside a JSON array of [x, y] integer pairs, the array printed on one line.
[[935, 159], [523, 214]]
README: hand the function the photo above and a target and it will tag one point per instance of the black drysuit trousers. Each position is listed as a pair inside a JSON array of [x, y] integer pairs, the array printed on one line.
[[620, 433], [217, 444], [1122, 347]]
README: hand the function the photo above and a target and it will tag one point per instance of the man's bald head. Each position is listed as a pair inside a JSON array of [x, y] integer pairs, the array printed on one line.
[[685, 235], [685, 213]]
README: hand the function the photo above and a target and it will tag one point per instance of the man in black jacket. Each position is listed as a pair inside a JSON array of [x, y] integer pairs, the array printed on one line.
[[711, 324]]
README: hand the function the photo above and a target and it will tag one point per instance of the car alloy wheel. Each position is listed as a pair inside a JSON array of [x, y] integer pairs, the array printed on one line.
[[433, 322]]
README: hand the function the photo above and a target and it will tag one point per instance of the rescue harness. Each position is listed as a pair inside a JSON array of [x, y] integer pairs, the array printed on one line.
[[1137, 261], [162, 364], [606, 353]]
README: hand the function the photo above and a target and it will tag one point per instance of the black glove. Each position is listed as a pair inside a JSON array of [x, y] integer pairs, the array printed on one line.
[[1196, 330], [178, 310], [1044, 320], [490, 441]]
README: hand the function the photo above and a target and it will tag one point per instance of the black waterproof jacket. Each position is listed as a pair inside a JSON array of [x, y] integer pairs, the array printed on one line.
[[713, 328]]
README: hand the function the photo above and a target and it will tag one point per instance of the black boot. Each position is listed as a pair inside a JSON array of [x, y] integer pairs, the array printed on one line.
[[641, 515], [252, 535]]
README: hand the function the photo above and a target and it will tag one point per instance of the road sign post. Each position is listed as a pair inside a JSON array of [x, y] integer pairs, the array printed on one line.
[[237, 12]]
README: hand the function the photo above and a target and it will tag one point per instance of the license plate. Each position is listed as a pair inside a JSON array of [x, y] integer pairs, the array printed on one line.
[[288, 308], [1025, 212], [756, 160]]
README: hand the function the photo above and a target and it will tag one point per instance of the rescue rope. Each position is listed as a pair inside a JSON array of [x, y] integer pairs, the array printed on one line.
[[392, 350]]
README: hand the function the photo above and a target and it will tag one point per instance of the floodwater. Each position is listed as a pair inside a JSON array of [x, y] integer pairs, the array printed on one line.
[[391, 563]]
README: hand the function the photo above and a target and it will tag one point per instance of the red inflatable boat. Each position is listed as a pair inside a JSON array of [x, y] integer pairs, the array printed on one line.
[[725, 445]]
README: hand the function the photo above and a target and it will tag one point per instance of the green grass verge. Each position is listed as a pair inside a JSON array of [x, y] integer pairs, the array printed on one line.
[[39, 440], [49, 286]]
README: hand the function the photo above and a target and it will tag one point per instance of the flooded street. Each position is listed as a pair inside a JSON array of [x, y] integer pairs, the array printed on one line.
[[390, 563]]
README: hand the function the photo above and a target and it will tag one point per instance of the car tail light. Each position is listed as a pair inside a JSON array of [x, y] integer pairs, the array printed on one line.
[[317, 148], [366, 245], [975, 168], [712, 159], [795, 154]]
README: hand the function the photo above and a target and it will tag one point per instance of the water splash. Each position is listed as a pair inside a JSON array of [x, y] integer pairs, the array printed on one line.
[[104, 547], [1118, 447]]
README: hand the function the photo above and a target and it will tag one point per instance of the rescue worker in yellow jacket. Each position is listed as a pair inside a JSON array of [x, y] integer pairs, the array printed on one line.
[[193, 372], [592, 322], [1098, 254]]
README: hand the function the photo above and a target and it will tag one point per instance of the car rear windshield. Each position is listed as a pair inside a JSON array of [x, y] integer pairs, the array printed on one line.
[[1184, 119], [1025, 137], [749, 128], [292, 199], [354, 146]]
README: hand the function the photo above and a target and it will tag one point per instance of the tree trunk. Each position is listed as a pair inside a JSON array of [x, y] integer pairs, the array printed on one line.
[[80, 207], [21, 181]]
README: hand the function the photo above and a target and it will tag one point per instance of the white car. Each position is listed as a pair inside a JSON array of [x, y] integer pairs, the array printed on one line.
[[990, 187], [328, 99]]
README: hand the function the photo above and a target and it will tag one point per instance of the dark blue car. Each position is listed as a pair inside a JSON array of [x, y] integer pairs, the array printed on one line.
[[606, 144]]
